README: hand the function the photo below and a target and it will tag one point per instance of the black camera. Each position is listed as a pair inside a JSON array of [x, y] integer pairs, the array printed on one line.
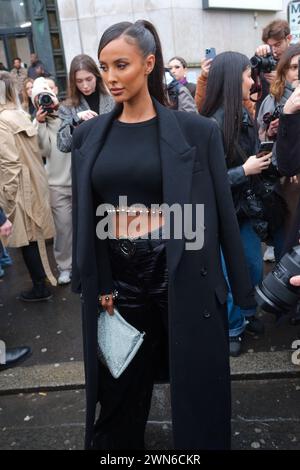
[[269, 117], [254, 210], [46, 101], [275, 294], [264, 64]]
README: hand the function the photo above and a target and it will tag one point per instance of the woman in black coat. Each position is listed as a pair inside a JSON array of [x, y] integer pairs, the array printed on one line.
[[173, 291]]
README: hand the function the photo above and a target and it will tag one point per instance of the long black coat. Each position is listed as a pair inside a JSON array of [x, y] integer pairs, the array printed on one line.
[[193, 171]]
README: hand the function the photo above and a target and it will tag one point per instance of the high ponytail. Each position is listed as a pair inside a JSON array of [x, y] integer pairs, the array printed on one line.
[[146, 37]]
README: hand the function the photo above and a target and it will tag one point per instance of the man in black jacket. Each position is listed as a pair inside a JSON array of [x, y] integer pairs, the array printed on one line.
[[12, 356]]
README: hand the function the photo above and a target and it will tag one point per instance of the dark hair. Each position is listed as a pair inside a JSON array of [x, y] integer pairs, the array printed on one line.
[[277, 29], [181, 60], [82, 62], [278, 86], [17, 58], [146, 37], [224, 89]]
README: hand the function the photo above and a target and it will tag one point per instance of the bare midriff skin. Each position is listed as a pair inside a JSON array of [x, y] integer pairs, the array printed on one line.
[[134, 226]]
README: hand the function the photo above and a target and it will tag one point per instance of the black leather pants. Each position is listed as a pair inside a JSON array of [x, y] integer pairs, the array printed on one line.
[[140, 276]]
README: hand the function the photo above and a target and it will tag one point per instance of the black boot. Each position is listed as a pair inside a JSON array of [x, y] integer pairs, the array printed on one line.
[[38, 293]]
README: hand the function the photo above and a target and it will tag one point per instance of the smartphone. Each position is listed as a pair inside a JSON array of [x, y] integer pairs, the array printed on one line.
[[210, 53], [265, 147]]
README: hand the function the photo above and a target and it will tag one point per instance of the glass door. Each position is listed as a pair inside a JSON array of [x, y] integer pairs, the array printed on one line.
[[15, 45]]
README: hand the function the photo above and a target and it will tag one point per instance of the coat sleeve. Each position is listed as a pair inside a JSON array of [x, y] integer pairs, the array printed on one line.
[[76, 283], [288, 145], [231, 244], [200, 92], [69, 120], [10, 170], [186, 101], [43, 138]]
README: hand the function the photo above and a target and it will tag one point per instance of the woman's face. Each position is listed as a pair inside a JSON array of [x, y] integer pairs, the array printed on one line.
[[177, 69], [86, 82], [247, 83], [292, 72], [28, 89], [124, 70]]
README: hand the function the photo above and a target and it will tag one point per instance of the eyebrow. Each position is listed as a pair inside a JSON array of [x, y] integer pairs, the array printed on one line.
[[117, 60]]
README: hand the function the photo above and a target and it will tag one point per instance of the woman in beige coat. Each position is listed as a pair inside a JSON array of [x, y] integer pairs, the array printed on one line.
[[24, 190]]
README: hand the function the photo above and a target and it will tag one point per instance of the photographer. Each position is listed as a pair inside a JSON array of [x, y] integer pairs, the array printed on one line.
[[58, 168], [285, 81], [268, 120], [87, 98], [276, 37]]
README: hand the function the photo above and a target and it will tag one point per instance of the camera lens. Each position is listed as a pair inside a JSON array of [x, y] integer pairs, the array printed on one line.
[[45, 100], [255, 61], [276, 294]]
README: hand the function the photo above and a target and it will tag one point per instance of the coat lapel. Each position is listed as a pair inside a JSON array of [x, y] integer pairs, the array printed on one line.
[[177, 160]]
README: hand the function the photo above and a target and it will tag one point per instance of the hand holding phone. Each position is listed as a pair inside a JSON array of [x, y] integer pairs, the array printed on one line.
[[210, 53], [265, 147]]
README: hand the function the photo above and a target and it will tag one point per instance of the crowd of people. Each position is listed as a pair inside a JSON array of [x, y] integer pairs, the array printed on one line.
[[126, 129]]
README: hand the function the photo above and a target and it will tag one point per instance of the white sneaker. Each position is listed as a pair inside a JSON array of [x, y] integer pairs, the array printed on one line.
[[64, 277], [269, 254]]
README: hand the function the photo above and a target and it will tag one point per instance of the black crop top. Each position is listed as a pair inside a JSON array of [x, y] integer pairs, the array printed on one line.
[[129, 165]]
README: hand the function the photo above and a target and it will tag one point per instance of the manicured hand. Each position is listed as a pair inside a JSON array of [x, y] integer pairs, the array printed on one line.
[[86, 115], [41, 115], [255, 165], [263, 50], [107, 303], [273, 128], [205, 67], [6, 229], [293, 103], [295, 281]]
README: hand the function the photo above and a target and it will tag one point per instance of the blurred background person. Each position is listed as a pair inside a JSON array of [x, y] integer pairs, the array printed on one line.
[[37, 68], [58, 168], [87, 98], [24, 193], [230, 75], [286, 79], [179, 69], [27, 104], [19, 74]]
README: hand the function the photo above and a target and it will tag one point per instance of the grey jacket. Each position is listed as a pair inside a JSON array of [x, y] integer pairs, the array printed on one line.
[[186, 101], [69, 119]]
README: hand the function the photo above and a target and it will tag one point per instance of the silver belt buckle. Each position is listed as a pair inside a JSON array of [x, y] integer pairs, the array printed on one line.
[[127, 247]]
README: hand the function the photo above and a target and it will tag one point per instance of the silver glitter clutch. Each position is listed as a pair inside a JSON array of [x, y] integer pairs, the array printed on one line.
[[118, 342]]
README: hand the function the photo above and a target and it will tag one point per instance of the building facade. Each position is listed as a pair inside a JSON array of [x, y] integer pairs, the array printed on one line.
[[60, 29]]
